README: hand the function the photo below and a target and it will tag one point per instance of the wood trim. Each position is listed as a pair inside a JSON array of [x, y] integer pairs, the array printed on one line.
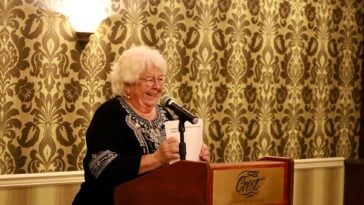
[[361, 137], [19, 180], [319, 163], [354, 180]]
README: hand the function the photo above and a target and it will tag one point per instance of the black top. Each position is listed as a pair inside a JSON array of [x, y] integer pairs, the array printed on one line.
[[116, 139]]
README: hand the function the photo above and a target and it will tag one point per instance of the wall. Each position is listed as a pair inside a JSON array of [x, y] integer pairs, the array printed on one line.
[[57, 188], [319, 181], [268, 77], [39, 195]]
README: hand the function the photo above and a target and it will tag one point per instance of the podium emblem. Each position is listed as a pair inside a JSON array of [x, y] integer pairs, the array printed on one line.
[[248, 183]]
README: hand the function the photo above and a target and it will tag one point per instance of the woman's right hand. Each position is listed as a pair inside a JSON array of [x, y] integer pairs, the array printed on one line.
[[167, 151]]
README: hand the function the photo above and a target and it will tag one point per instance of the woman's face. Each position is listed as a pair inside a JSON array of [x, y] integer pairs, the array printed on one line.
[[146, 91]]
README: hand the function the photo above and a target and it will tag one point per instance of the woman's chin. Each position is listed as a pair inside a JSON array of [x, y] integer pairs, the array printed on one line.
[[151, 102], [152, 99]]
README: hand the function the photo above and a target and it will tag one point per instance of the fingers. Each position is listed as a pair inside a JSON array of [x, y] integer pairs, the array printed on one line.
[[172, 148], [168, 150], [171, 140], [205, 153]]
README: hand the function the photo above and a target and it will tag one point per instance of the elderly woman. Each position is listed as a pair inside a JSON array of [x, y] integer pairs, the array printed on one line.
[[126, 137]]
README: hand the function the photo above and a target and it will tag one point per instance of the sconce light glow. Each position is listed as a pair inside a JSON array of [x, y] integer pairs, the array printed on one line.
[[84, 15]]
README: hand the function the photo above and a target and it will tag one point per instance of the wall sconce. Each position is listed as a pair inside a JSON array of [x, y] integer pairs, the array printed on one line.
[[83, 38], [84, 16]]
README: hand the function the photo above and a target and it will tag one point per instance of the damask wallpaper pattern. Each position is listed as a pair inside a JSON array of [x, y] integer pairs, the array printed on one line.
[[268, 77]]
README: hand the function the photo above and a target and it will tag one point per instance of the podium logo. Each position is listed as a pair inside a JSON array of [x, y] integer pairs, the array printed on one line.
[[248, 183]]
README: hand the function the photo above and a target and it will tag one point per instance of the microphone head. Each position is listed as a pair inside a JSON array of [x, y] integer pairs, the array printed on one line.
[[168, 102], [165, 100], [194, 121]]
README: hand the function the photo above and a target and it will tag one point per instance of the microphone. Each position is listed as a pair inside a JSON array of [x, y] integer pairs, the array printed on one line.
[[180, 111]]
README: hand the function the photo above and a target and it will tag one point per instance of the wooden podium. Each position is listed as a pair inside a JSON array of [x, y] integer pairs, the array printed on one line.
[[267, 181]]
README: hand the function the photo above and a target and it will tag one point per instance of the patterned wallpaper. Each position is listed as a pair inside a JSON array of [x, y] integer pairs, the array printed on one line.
[[268, 77]]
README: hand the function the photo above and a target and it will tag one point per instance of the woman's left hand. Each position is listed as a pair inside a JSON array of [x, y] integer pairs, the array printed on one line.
[[205, 153]]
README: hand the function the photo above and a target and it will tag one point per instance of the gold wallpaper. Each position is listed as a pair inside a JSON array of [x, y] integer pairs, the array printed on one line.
[[268, 77]]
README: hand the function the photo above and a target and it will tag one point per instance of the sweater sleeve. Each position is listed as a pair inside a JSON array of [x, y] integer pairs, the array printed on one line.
[[112, 156]]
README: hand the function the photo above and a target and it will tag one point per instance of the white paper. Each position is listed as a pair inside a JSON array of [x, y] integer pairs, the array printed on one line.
[[193, 136]]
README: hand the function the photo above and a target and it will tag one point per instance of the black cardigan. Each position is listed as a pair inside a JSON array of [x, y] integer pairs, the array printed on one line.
[[116, 139]]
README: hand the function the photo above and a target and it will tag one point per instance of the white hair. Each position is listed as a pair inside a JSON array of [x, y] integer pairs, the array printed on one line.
[[131, 64]]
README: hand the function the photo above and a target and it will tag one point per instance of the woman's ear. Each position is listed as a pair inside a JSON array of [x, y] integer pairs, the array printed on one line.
[[127, 90]]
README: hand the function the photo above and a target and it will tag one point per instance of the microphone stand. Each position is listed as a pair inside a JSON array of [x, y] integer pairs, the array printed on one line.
[[182, 144]]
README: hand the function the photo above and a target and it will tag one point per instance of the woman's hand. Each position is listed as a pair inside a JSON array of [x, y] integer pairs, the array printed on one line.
[[167, 151], [205, 153]]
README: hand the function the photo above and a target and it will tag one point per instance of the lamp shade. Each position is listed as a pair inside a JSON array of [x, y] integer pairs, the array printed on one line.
[[84, 15]]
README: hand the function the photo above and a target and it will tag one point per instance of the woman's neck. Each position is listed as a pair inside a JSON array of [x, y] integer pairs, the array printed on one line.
[[148, 113]]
